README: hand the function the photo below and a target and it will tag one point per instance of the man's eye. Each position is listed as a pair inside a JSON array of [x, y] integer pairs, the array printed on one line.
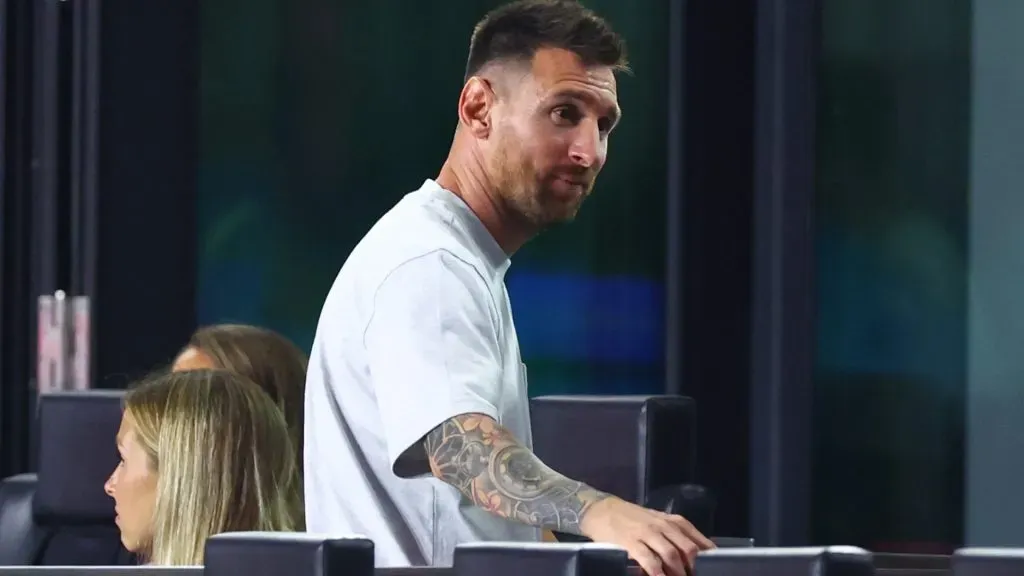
[[564, 115]]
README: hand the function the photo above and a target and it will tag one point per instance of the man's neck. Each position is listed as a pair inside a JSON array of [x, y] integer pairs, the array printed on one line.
[[474, 188]]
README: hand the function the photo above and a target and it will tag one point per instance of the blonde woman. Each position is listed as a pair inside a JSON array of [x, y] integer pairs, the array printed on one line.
[[202, 452], [261, 355]]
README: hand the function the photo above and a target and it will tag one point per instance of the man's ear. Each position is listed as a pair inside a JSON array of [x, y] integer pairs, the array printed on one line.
[[476, 102]]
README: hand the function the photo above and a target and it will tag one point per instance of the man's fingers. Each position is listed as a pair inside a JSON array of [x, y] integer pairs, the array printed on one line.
[[702, 542], [647, 559], [673, 557], [687, 548]]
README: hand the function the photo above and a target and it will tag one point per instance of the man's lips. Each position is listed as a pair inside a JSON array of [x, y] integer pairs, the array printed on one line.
[[569, 191], [576, 186]]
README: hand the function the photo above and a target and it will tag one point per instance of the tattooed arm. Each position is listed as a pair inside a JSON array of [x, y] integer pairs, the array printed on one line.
[[485, 462]]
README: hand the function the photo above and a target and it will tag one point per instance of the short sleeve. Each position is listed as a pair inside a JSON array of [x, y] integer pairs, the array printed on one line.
[[432, 350]]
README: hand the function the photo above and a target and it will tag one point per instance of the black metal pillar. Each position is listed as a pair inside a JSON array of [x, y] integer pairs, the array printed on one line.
[[674, 265], [782, 342], [47, 168], [16, 228], [710, 241], [83, 183]]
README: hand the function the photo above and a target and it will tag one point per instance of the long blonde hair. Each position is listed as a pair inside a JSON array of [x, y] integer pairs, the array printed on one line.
[[223, 458]]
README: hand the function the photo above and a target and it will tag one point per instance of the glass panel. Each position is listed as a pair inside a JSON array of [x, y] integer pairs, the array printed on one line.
[[995, 385], [318, 116], [892, 181]]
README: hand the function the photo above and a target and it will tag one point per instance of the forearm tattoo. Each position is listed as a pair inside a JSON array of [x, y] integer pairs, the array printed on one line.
[[489, 466]]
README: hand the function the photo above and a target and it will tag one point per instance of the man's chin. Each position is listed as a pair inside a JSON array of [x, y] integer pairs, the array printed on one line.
[[564, 216], [552, 212]]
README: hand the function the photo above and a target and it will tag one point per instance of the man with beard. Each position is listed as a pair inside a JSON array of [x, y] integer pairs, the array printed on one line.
[[417, 415]]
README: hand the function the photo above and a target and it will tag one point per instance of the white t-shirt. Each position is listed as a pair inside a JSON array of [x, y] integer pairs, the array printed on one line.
[[416, 329]]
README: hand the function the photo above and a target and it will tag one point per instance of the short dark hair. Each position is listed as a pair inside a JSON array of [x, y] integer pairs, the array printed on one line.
[[517, 30]]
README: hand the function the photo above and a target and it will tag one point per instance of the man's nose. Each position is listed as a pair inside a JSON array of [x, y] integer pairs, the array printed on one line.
[[587, 149]]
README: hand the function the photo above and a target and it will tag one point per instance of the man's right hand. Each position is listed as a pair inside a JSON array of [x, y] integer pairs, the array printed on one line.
[[662, 544]]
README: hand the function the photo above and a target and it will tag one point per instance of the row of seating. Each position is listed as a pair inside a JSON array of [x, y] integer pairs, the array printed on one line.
[[640, 448], [852, 561], [292, 554]]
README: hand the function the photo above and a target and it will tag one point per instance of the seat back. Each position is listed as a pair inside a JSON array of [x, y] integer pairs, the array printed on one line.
[[639, 448], [287, 554], [887, 561], [19, 535], [988, 562], [629, 446], [77, 453], [516, 558], [819, 561]]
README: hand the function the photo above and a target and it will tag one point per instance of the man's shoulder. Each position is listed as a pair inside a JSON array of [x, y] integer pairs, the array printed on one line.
[[409, 250], [416, 270], [414, 235]]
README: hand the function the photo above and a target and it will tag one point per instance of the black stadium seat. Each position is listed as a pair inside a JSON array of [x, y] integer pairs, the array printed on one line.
[[77, 453], [627, 445], [639, 448], [287, 554], [19, 535], [516, 559], [898, 563], [988, 562], [821, 561]]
